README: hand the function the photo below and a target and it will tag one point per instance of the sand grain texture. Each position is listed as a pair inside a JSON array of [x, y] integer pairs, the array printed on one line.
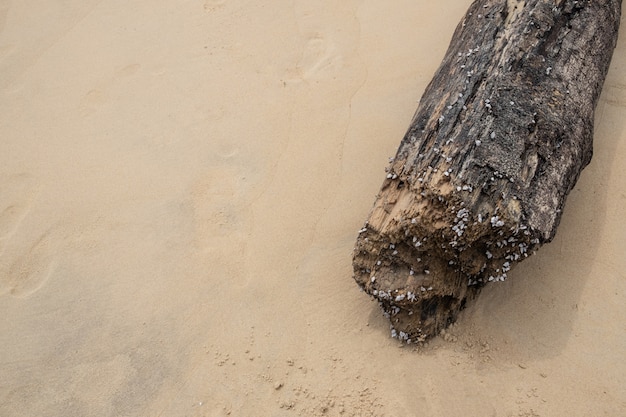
[[180, 189]]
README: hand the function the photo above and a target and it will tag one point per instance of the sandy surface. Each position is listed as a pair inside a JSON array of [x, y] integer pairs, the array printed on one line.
[[181, 184]]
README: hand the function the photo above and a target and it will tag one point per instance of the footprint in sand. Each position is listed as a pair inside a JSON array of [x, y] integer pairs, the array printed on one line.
[[218, 208], [30, 271], [98, 96], [16, 198], [10, 218], [214, 203], [320, 59], [22, 271]]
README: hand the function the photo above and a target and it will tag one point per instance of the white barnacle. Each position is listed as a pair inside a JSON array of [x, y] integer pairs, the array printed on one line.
[[489, 255], [426, 271], [493, 135], [496, 222], [378, 263], [548, 70], [441, 118], [480, 218], [400, 297], [523, 247], [373, 279], [395, 252], [478, 142]]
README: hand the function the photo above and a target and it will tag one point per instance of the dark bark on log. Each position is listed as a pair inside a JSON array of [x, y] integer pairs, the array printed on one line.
[[499, 139]]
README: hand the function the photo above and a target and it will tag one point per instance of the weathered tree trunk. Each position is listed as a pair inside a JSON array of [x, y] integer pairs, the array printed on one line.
[[499, 139]]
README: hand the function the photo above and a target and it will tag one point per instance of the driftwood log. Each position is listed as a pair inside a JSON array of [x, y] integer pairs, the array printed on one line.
[[499, 139]]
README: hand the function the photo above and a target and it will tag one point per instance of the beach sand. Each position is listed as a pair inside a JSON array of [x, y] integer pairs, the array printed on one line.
[[181, 186]]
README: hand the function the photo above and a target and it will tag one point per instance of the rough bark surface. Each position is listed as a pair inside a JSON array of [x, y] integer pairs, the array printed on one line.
[[499, 139]]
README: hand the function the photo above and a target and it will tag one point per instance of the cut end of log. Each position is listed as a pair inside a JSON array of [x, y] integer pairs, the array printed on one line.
[[423, 254]]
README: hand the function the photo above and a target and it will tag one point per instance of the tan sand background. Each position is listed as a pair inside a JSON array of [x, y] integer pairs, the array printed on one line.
[[181, 184]]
